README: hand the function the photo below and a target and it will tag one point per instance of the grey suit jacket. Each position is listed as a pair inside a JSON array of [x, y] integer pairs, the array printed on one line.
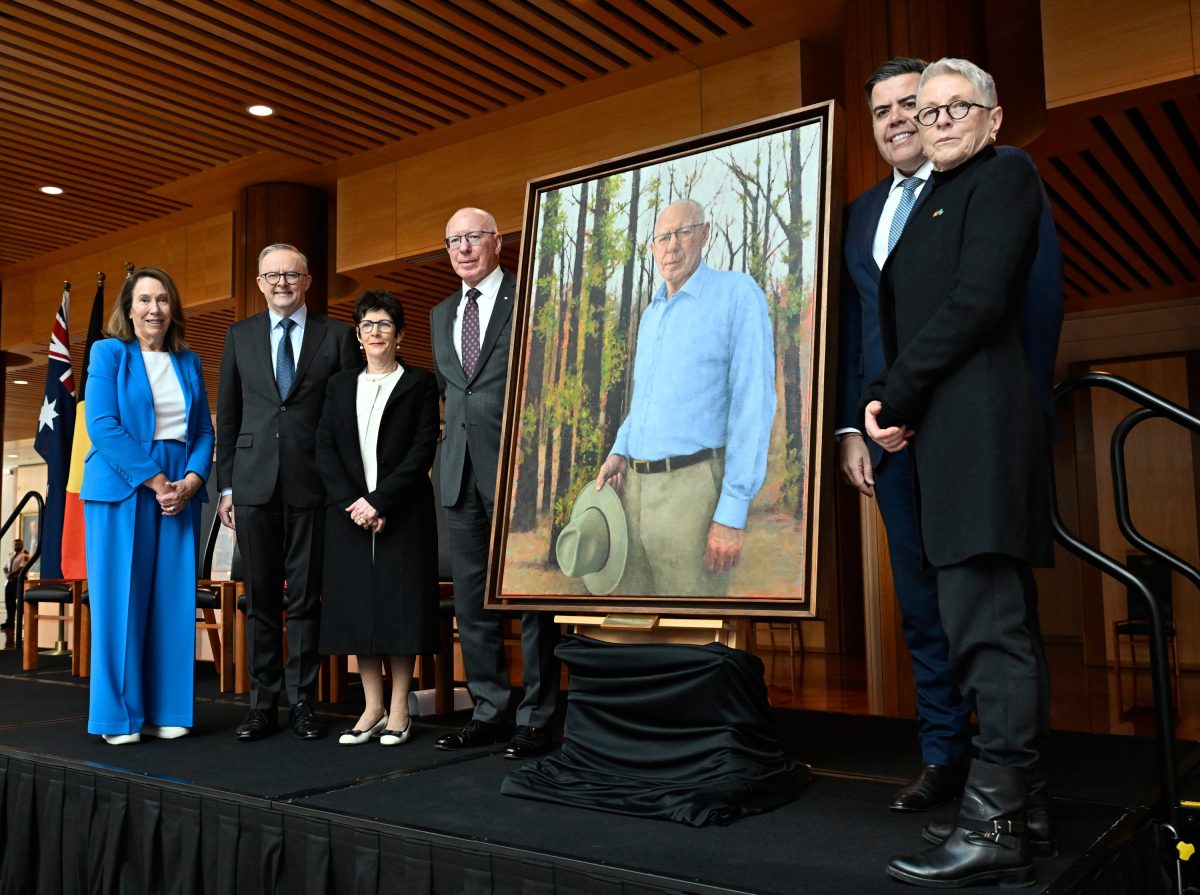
[[262, 440], [475, 406]]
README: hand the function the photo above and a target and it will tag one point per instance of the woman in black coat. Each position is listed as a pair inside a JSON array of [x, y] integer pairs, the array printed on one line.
[[375, 446], [958, 389]]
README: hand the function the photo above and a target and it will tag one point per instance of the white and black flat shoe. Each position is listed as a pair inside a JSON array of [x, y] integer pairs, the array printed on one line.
[[357, 737], [396, 737], [165, 733], [120, 739]]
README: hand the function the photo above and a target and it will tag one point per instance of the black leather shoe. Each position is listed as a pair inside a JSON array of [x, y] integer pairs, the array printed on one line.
[[476, 733], [258, 726], [304, 723], [934, 785], [527, 742]]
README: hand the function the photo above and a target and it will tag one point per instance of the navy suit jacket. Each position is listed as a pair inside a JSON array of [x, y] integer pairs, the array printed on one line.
[[860, 349], [120, 420]]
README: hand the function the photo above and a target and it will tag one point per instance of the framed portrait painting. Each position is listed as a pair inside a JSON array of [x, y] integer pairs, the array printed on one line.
[[662, 439]]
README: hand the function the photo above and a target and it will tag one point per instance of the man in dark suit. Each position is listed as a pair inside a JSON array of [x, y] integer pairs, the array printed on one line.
[[269, 402], [874, 223], [470, 331]]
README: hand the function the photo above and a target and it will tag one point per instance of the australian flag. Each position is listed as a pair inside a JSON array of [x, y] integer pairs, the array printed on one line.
[[56, 428]]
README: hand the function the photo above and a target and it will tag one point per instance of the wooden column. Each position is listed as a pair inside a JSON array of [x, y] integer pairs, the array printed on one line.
[[290, 213]]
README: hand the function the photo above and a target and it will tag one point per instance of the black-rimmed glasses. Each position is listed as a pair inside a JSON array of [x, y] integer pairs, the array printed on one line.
[[957, 110], [291, 277], [474, 238], [383, 327]]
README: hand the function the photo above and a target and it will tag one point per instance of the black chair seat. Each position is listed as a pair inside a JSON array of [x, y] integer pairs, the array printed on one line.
[[48, 593], [1138, 627], [208, 598]]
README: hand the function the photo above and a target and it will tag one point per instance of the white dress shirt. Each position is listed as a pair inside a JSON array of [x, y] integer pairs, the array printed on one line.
[[879, 249], [374, 389], [488, 288]]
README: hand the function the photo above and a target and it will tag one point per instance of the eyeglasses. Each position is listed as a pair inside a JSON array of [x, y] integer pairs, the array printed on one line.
[[291, 277], [682, 233], [957, 110], [383, 327], [475, 237]]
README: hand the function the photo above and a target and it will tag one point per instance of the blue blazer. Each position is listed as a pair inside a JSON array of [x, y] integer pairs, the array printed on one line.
[[860, 348], [119, 407]]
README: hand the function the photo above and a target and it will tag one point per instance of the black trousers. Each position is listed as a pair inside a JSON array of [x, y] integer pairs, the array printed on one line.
[[988, 606], [480, 630], [282, 547], [10, 600]]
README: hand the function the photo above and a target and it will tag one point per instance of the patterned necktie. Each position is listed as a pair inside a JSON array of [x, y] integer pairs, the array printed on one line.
[[470, 332], [285, 360], [903, 210]]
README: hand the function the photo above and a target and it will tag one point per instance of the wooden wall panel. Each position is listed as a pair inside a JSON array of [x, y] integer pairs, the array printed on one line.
[[754, 86], [492, 171], [366, 218], [198, 256], [1100, 47]]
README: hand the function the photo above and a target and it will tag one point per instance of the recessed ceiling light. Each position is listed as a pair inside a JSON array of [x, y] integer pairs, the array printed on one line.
[[260, 110], [52, 190], [12, 456], [20, 382]]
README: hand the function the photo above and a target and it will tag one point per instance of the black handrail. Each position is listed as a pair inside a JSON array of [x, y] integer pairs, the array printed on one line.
[[1152, 406], [33, 557]]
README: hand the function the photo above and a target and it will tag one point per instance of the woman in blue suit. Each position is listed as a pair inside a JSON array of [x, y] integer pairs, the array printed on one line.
[[152, 445]]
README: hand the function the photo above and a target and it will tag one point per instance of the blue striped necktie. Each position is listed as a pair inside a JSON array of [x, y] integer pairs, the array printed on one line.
[[903, 210], [285, 359]]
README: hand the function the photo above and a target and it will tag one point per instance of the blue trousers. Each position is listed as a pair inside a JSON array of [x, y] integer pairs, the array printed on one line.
[[142, 592], [943, 715]]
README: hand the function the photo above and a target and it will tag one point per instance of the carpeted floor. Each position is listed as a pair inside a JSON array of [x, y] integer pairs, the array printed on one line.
[[836, 838]]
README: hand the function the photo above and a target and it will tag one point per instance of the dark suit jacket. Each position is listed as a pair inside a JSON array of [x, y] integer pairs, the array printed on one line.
[[860, 351], [262, 440], [949, 310], [474, 407]]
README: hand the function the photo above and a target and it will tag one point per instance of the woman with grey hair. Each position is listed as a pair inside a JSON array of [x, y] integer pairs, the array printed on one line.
[[957, 390]]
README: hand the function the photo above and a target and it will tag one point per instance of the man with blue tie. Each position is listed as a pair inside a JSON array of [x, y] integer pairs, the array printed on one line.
[[874, 224], [269, 401]]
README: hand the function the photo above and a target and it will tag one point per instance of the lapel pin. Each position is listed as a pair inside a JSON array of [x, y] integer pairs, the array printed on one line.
[[938, 212]]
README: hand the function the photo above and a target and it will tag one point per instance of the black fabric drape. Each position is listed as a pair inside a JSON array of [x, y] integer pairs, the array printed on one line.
[[671, 731]]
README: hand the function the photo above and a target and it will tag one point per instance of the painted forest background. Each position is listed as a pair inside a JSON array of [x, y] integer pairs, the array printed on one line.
[[593, 277]]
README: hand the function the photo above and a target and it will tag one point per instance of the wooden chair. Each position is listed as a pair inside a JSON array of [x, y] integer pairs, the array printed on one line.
[[1157, 576], [211, 596], [62, 597]]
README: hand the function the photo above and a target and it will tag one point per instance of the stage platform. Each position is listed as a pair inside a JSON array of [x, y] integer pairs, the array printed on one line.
[[208, 814]]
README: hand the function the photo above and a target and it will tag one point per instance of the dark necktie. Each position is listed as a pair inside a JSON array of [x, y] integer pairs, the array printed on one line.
[[285, 360], [470, 333], [903, 210]]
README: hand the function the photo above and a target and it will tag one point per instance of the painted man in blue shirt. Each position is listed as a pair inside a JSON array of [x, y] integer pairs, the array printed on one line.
[[692, 452]]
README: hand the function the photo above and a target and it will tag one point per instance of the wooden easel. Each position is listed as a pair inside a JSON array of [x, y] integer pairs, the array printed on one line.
[[733, 633]]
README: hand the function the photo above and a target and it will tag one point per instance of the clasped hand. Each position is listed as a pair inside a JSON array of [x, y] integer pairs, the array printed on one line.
[[173, 496], [366, 516]]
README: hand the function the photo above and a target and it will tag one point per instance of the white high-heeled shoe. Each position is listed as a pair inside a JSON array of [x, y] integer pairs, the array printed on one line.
[[120, 739], [396, 737], [357, 737], [165, 733]]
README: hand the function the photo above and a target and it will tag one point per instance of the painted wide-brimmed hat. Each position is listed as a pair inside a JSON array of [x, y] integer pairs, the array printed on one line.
[[595, 543]]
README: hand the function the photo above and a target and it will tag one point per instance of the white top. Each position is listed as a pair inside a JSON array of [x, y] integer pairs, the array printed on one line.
[[170, 409], [374, 389], [489, 288], [879, 247]]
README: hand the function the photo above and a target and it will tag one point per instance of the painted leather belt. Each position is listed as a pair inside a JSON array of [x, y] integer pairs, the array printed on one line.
[[644, 467]]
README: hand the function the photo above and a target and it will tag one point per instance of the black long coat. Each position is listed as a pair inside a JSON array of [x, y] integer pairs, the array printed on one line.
[[386, 604], [950, 304]]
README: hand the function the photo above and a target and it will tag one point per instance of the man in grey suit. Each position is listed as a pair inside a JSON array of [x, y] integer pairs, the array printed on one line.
[[272, 390], [470, 332]]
